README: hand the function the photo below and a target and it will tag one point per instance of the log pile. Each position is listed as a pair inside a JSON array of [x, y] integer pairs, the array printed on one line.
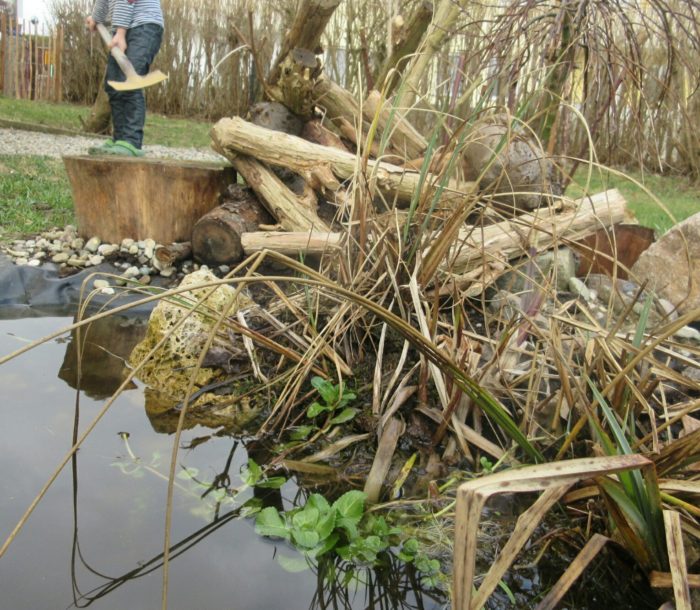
[[314, 142]]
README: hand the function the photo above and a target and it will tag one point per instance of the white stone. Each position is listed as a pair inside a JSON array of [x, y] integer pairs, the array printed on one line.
[[96, 259], [61, 257], [167, 272], [107, 249], [131, 272], [688, 332], [78, 243], [127, 243], [35, 262], [92, 244], [149, 246], [101, 284], [133, 249]]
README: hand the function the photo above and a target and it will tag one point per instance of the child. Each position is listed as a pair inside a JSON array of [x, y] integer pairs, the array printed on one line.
[[137, 27]]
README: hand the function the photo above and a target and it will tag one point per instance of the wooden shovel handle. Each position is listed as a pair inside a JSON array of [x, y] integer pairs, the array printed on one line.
[[116, 52]]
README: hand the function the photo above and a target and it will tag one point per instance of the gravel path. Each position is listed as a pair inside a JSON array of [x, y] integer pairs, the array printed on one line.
[[16, 142]]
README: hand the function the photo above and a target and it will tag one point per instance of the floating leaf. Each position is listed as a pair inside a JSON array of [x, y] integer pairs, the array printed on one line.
[[269, 523]]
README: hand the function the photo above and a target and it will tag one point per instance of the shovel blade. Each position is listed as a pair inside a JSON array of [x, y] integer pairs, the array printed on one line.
[[138, 82]]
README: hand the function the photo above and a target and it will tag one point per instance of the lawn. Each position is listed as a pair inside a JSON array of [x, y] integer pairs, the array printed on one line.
[[158, 130], [646, 194]]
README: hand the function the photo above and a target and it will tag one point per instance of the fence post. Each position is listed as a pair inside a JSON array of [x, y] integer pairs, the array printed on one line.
[[58, 84], [3, 54]]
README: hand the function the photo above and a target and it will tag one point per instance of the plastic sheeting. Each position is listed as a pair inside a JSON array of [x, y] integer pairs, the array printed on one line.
[[39, 291]]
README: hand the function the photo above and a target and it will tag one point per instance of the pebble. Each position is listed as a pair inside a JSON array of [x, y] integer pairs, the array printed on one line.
[[92, 244], [578, 287], [107, 250], [131, 273], [61, 257], [101, 284], [35, 262], [96, 259]]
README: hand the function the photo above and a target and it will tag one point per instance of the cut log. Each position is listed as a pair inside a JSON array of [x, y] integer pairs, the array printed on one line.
[[216, 237], [119, 197], [478, 256], [235, 136], [289, 210], [340, 107], [291, 244], [167, 255], [407, 44], [403, 137]]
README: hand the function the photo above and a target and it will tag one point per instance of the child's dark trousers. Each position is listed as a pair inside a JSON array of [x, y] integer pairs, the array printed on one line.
[[129, 107]]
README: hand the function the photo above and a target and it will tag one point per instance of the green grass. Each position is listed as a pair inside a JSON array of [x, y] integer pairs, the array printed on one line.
[[158, 130], [34, 196], [677, 193]]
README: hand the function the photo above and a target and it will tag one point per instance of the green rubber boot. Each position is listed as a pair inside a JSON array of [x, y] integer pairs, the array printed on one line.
[[125, 149], [102, 149]]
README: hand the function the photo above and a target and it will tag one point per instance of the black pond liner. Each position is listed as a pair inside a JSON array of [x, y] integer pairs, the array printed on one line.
[[30, 292]]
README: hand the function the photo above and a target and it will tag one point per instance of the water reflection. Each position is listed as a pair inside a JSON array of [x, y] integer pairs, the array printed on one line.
[[94, 541]]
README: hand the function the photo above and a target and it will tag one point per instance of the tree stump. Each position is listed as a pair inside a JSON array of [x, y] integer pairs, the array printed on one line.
[[117, 197]]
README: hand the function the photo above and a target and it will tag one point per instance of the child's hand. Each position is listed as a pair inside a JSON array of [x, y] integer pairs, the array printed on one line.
[[90, 23], [119, 40]]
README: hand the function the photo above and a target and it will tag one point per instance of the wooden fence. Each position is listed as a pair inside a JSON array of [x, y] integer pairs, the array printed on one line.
[[30, 60]]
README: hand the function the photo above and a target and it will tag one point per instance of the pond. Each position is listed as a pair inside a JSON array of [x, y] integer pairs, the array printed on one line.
[[96, 538]]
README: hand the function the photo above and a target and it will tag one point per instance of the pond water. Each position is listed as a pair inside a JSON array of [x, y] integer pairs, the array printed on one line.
[[96, 538]]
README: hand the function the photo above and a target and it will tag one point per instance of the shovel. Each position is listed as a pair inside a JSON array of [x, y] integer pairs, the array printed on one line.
[[133, 79]]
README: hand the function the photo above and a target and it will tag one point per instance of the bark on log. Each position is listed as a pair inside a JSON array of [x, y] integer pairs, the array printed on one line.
[[340, 107], [290, 211], [403, 137], [407, 44], [119, 197], [235, 136], [291, 243], [216, 237], [307, 28]]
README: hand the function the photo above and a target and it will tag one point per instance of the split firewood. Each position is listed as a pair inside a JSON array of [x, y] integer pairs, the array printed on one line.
[[233, 137], [216, 236]]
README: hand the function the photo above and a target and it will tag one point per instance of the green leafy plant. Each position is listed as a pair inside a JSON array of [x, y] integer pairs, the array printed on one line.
[[343, 527], [335, 398]]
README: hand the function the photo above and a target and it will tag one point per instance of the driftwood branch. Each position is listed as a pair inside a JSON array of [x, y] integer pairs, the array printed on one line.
[[235, 136], [292, 213]]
